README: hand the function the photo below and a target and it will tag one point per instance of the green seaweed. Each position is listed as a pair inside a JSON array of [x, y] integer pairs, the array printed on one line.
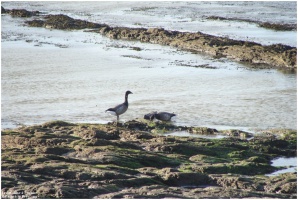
[[131, 156]]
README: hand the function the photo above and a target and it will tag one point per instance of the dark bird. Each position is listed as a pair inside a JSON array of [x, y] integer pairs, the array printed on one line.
[[121, 108], [150, 116], [164, 116]]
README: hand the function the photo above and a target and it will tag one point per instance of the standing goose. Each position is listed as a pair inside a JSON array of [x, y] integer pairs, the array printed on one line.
[[164, 116], [121, 108]]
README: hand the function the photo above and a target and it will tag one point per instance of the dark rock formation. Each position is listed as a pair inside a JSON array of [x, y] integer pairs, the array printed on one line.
[[19, 12], [274, 26], [62, 22], [244, 51], [65, 160], [280, 56], [3, 10]]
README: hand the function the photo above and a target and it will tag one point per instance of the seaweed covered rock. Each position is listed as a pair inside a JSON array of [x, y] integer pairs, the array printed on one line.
[[23, 13], [244, 51], [278, 27], [19, 12], [63, 22], [3, 10], [65, 160]]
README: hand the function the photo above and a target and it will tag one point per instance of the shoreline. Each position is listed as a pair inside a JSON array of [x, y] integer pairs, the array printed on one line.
[[139, 158], [64, 160], [274, 56], [268, 25], [181, 127]]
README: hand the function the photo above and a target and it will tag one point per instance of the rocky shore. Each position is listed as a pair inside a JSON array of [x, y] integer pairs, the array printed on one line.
[[273, 26], [136, 160], [273, 56]]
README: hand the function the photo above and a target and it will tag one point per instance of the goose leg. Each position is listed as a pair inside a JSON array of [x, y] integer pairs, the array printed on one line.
[[117, 120]]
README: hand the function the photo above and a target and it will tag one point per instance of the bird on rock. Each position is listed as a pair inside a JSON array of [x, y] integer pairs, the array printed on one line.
[[121, 108], [150, 116], [164, 116]]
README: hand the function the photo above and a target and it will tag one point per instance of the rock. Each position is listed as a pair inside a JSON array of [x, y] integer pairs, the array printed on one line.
[[136, 125], [56, 123], [185, 179], [284, 183], [36, 23], [64, 160], [274, 26], [288, 188], [63, 22], [52, 150], [202, 130], [238, 133], [22, 13], [3, 10], [274, 56], [278, 27]]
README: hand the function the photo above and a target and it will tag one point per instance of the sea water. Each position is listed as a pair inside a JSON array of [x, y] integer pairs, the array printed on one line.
[[76, 75]]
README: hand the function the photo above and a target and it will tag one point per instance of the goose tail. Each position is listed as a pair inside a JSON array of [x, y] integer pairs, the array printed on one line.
[[111, 111]]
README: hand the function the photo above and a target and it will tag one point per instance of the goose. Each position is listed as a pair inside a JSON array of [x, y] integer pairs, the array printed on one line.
[[121, 108], [164, 116], [150, 116]]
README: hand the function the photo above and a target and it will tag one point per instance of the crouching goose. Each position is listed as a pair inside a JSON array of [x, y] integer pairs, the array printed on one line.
[[121, 108], [164, 116], [150, 116]]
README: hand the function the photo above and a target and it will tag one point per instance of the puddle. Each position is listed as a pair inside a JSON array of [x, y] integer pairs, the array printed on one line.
[[290, 163], [9, 124], [187, 134]]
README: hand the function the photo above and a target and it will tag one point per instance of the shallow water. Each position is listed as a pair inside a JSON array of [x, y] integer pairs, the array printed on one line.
[[76, 75], [183, 16], [290, 163], [187, 134]]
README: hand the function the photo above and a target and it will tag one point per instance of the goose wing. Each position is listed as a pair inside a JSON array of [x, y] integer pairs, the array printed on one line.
[[164, 116], [117, 110]]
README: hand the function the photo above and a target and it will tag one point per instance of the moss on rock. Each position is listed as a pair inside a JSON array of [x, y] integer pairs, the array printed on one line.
[[65, 160]]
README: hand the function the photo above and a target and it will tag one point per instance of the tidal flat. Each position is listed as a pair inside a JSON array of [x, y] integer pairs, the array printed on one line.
[[134, 160], [233, 89], [55, 68]]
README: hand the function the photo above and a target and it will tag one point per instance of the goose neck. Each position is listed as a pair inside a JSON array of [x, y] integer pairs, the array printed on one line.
[[126, 99]]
